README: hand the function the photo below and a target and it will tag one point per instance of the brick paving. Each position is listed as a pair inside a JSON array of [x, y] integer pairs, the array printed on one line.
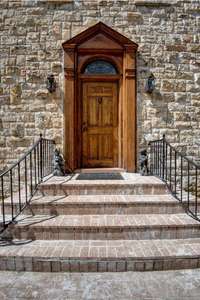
[[157, 285]]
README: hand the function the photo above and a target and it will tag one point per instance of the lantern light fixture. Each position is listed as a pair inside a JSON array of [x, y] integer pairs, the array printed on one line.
[[51, 83], [150, 85]]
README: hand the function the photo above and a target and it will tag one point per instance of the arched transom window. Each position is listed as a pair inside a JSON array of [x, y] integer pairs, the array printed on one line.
[[100, 67]]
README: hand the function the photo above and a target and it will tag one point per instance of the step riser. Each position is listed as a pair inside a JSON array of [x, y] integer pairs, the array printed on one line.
[[56, 265], [99, 209], [129, 233], [56, 190]]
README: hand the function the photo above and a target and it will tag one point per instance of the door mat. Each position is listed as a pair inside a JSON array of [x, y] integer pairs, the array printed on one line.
[[100, 176]]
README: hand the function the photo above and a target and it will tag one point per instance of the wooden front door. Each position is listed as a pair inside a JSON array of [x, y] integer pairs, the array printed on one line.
[[100, 124]]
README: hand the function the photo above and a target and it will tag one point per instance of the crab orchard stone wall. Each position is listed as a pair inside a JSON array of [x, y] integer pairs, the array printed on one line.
[[31, 34]]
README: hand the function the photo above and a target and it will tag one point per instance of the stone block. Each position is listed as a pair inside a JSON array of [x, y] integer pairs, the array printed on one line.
[[15, 94]]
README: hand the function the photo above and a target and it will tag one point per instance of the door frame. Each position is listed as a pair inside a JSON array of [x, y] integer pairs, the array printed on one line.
[[121, 52], [105, 78]]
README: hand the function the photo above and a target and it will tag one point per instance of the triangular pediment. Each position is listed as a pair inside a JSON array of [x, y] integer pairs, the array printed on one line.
[[100, 41], [99, 35]]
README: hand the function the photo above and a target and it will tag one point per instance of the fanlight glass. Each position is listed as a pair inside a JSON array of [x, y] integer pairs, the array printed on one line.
[[100, 67]]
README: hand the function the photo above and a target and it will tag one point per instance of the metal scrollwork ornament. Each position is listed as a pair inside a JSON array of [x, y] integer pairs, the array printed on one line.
[[144, 163], [58, 164]]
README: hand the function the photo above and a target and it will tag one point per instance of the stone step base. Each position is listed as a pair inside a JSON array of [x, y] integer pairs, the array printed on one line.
[[100, 204], [139, 185], [128, 227], [100, 256]]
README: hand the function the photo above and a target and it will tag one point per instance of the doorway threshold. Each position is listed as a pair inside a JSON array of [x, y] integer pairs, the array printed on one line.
[[99, 170]]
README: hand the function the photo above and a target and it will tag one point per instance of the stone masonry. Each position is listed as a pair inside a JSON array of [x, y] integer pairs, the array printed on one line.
[[31, 34]]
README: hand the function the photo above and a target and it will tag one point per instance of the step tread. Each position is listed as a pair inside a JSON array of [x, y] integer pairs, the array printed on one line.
[[102, 249], [129, 179], [99, 199], [99, 221]]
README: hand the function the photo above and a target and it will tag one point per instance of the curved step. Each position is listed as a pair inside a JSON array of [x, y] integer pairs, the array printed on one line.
[[100, 255]]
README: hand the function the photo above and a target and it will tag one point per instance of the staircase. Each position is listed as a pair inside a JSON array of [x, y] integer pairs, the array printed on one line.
[[101, 226]]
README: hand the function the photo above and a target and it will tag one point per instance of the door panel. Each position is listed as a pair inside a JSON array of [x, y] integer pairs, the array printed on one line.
[[100, 125]]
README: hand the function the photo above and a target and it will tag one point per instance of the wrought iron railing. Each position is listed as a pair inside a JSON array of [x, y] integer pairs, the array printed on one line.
[[180, 173], [19, 183]]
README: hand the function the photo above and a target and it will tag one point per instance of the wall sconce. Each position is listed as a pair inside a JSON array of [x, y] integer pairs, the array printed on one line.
[[150, 85], [51, 83]]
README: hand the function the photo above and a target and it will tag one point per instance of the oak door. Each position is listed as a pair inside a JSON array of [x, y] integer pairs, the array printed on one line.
[[99, 124]]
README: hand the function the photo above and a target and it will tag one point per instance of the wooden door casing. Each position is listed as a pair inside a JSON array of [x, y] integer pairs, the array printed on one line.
[[100, 42], [100, 124]]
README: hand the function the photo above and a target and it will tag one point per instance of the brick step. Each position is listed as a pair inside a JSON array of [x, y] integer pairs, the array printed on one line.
[[138, 186], [100, 255], [128, 227], [100, 204]]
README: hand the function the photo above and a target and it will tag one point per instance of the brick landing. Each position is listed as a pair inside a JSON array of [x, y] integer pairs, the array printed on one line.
[[133, 184], [89, 226]]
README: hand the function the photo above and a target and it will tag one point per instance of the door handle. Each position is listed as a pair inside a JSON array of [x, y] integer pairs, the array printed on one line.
[[99, 99], [84, 127]]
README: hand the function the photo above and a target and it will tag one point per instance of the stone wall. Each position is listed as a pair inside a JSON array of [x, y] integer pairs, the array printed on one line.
[[31, 33]]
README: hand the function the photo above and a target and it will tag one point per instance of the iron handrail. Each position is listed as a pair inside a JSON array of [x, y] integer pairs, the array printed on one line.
[[180, 173], [19, 183]]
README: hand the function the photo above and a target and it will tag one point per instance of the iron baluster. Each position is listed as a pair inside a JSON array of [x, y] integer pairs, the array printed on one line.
[[35, 171], [26, 183], [150, 169], [196, 191], [11, 194], [45, 158], [188, 183], [163, 158], [19, 186], [175, 172], [49, 166], [41, 159], [166, 158], [38, 163], [2, 200], [181, 179], [158, 144], [156, 158], [159, 159], [170, 167], [31, 176]]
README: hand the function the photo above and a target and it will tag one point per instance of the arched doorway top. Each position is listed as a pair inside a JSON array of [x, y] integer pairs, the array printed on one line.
[[99, 67]]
